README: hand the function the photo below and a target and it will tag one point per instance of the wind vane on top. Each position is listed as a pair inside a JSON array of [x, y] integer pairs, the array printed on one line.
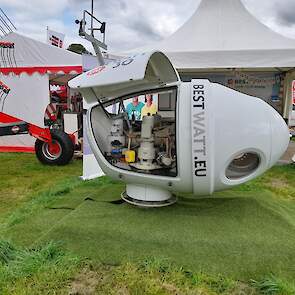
[[101, 26]]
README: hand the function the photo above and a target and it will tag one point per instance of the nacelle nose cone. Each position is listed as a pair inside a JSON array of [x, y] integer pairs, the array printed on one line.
[[250, 137]]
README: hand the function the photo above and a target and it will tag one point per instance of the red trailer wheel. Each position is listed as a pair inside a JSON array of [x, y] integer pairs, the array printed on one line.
[[57, 152], [52, 150]]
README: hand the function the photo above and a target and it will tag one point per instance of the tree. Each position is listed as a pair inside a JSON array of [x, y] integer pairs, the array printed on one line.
[[78, 48]]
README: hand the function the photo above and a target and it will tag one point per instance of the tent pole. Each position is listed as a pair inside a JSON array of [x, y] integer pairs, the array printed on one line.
[[287, 100]]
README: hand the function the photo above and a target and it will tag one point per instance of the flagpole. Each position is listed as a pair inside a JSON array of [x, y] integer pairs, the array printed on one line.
[[92, 17]]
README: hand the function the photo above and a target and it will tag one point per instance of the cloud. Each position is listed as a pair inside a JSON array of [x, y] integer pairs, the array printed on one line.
[[131, 23], [35, 9], [286, 13]]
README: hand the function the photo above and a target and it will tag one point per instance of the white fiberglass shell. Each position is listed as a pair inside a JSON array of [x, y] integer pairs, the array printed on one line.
[[225, 124], [132, 74], [216, 127]]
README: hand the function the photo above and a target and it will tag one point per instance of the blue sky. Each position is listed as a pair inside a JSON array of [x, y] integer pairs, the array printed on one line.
[[131, 23]]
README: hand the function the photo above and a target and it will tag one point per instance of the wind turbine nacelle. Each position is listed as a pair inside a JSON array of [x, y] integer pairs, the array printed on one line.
[[203, 138]]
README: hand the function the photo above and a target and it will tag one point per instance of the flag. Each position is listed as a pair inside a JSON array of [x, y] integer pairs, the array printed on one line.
[[55, 38]]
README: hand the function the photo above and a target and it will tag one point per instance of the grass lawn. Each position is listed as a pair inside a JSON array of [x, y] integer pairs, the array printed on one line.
[[65, 235], [23, 178]]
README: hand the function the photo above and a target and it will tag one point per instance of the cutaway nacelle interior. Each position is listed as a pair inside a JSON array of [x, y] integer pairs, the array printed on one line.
[[138, 133]]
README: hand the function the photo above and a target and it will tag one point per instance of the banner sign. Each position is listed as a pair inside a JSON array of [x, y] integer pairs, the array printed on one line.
[[267, 86], [55, 38]]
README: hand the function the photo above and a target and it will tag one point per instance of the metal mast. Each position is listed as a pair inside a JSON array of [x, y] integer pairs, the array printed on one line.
[[97, 45]]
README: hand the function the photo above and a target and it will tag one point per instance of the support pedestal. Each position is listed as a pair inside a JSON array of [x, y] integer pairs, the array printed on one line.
[[147, 196]]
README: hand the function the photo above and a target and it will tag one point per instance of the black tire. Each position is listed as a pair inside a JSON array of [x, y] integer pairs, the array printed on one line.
[[65, 149]]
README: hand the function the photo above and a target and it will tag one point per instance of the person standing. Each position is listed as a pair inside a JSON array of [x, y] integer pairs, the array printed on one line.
[[150, 108], [134, 108]]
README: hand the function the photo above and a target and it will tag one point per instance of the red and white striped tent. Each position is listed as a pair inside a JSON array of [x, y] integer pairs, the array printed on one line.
[[26, 67]]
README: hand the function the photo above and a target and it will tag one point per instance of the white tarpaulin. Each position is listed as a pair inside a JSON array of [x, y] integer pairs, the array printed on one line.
[[27, 95], [26, 67], [91, 168]]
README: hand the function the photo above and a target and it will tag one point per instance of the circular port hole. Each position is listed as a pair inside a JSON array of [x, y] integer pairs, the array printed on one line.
[[242, 165]]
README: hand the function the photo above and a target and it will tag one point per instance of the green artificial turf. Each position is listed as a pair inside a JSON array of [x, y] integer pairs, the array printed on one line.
[[240, 234]]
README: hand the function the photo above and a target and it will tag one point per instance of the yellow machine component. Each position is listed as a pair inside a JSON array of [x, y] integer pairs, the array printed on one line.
[[130, 156]]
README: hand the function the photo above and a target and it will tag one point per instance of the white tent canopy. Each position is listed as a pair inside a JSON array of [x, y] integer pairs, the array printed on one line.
[[223, 34], [33, 53]]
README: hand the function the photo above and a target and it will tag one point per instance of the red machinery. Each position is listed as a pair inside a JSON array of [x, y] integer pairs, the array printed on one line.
[[53, 147]]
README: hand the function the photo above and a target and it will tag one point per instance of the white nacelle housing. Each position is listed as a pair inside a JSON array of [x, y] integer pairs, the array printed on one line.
[[205, 137]]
